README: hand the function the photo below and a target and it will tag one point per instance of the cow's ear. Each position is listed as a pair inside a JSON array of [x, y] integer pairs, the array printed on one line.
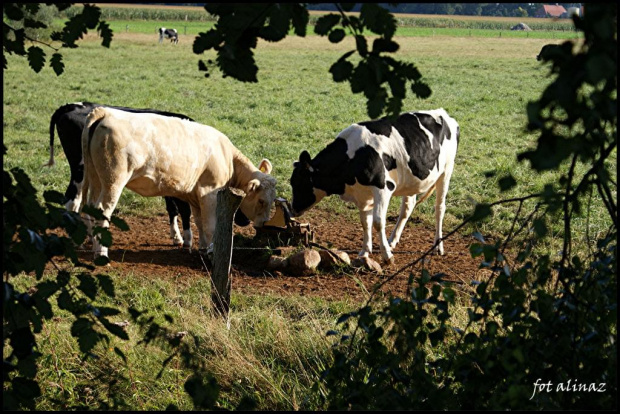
[[253, 185], [265, 166]]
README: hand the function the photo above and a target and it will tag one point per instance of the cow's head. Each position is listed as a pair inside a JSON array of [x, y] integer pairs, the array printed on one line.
[[260, 194], [305, 194]]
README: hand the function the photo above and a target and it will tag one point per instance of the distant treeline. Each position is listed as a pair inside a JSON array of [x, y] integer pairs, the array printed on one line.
[[436, 21], [465, 9]]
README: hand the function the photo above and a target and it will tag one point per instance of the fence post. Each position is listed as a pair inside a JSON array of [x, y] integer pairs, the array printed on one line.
[[228, 201]]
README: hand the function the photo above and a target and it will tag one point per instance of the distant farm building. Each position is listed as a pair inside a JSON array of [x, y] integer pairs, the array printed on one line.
[[521, 26], [548, 10]]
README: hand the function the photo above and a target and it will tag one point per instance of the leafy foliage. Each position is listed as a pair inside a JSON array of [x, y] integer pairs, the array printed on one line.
[[535, 319], [381, 78], [23, 16], [29, 243]]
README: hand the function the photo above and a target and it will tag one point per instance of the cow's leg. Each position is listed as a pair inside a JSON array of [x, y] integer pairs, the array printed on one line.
[[90, 191], [175, 233], [366, 219], [186, 213], [406, 208], [196, 212], [73, 195], [208, 220], [107, 203], [440, 207], [379, 212]]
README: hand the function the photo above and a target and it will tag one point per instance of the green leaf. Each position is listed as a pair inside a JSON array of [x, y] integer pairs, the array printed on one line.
[[28, 366], [341, 70], [120, 223], [105, 237], [106, 34], [88, 285], [36, 58], [87, 337], [361, 45], [384, 45], [378, 19], [421, 89], [300, 18], [12, 12], [237, 62], [101, 261], [375, 107], [64, 300], [325, 23], [336, 35]]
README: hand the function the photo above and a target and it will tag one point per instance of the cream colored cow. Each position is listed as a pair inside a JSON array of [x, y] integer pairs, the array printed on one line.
[[155, 155]]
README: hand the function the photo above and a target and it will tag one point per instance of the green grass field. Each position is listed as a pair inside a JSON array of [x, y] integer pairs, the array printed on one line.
[[276, 346]]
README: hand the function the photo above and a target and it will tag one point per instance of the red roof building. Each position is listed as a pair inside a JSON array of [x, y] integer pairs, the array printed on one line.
[[548, 10]]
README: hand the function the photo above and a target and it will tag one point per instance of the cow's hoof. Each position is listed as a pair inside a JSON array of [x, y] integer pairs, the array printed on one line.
[[389, 261]]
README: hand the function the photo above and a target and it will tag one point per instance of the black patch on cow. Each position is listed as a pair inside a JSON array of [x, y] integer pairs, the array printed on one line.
[[389, 162], [367, 168], [332, 169], [422, 157], [301, 183], [380, 126]]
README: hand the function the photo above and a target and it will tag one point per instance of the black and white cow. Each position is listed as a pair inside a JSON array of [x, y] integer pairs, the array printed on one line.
[[369, 162], [168, 34], [69, 120]]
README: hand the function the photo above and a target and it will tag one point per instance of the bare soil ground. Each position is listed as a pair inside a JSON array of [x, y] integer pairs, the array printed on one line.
[[146, 250]]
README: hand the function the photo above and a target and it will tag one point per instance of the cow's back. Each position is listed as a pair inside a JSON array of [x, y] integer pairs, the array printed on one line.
[[414, 150], [165, 155]]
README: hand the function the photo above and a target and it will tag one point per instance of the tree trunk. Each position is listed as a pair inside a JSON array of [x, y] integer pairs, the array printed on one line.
[[228, 201]]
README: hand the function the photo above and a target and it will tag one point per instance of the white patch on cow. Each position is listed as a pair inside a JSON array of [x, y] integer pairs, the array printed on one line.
[[175, 233]]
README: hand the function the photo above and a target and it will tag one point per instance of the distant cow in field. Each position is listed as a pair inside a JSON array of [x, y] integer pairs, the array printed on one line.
[[369, 162], [155, 155], [70, 120], [168, 34]]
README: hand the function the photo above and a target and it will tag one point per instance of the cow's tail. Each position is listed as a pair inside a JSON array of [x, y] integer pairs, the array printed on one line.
[[426, 194], [53, 121], [92, 121]]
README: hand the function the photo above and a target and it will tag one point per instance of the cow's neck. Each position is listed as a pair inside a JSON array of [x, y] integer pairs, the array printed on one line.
[[244, 171]]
